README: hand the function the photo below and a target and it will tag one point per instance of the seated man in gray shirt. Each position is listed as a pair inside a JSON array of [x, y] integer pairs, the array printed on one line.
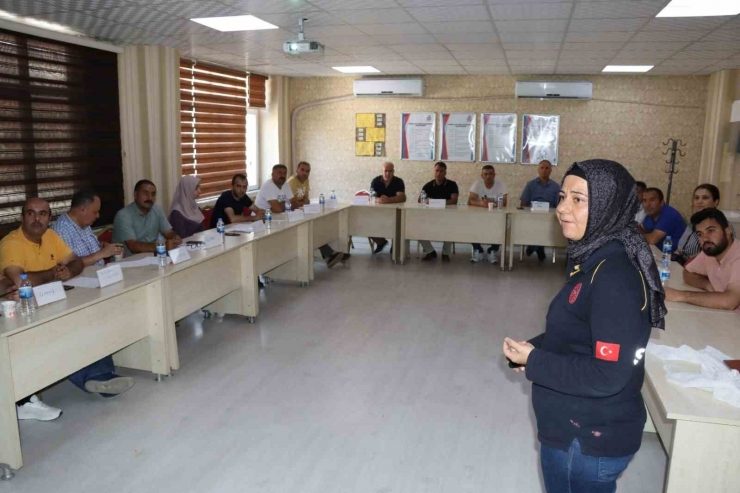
[[541, 189], [138, 224]]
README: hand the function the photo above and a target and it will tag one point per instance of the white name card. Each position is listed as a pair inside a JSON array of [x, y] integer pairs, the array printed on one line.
[[361, 200], [331, 204], [49, 293], [437, 203], [258, 227], [211, 240], [312, 209], [294, 216], [179, 255], [540, 206], [110, 275]]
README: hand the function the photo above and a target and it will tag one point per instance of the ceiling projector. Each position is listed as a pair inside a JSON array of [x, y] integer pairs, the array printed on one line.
[[302, 46]]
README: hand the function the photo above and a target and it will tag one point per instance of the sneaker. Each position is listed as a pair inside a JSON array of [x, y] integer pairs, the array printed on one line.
[[492, 258], [36, 409], [345, 257], [429, 256], [113, 386], [379, 246], [445, 258], [477, 257], [334, 259]]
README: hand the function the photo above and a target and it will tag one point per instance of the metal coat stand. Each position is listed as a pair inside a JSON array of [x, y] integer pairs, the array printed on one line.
[[673, 149]]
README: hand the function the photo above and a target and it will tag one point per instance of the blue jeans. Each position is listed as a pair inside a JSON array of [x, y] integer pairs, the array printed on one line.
[[572, 472], [103, 368]]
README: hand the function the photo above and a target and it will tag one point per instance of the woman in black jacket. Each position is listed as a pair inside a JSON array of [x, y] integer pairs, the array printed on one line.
[[587, 368]]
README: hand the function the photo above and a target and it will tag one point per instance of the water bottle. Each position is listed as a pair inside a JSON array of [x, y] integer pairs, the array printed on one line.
[[333, 195], [322, 201], [268, 218], [665, 273], [220, 227], [500, 202], [423, 198], [372, 196], [161, 251], [288, 207], [25, 291], [667, 249]]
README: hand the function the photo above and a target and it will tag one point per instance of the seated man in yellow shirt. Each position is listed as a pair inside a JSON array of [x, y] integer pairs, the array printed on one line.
[[37, 251]]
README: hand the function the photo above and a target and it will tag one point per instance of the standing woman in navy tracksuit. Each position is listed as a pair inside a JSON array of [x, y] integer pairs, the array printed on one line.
[[587, 368]]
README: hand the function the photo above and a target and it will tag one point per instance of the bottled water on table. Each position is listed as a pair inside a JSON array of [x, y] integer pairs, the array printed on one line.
[[220, 226], [372, 196], [333, 195], [667, 249], [500, 201], [25, 291], [665, 273], [423, 198], [268, 218], [288, 206], [322, 201], [161, 251]]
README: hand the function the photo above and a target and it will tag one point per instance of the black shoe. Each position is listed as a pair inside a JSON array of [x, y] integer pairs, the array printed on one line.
[[530, 251], [345, 257], [260, 284], [334, 260], [445, 258], [541, 254], [429, 256], [379, 246]]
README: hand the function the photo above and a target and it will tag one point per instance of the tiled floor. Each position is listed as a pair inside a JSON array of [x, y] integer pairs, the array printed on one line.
[[376, 378]]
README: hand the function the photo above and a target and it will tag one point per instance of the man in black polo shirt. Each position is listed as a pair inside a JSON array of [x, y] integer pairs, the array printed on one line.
[[439, 188], [389, 189], [232, 203]]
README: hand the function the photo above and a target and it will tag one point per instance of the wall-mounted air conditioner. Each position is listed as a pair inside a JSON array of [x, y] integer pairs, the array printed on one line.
[[381, 88], [554, 90]]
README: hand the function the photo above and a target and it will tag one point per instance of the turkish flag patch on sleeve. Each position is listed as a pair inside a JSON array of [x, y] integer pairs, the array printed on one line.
[[607, 351]]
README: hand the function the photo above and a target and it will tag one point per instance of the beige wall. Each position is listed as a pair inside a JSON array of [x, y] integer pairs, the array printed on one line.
[[627, 121]]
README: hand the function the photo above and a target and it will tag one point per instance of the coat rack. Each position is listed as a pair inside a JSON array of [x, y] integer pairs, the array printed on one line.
[[673, 149]]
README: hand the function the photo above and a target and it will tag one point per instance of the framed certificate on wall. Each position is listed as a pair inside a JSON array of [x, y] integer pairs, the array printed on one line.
[[418, 136], [458, 137], [540, 138], [498, 137]]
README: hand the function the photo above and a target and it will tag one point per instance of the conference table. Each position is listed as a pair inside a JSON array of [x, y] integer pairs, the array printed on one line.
[[377, 221], [529, 227], [135, 319], [701, 435]]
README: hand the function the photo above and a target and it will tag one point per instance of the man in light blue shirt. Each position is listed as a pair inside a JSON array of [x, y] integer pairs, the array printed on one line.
[[541, 189], [138, 224], [74, 228]]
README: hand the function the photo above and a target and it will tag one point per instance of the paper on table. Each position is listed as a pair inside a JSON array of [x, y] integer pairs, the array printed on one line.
[[142, 262], [242, 228], [83, 282]]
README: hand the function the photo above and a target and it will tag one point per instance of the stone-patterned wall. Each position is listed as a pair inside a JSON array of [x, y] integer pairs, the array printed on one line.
[[627, 121]]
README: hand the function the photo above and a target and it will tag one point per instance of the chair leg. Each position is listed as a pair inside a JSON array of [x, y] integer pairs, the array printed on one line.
[[453, 248], [521, 253], [553, 255], [372, 244], [418, 247]]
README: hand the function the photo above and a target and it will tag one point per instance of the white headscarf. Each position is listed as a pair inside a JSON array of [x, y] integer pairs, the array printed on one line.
[[184, 199]]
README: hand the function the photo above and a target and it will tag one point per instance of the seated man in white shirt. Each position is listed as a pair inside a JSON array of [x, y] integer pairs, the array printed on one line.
[[484, 191], [275, 193]]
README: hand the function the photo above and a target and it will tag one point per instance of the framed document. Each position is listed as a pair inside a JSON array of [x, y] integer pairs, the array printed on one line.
[[540, 138], [498, 137], [417, 136], [458, 137]]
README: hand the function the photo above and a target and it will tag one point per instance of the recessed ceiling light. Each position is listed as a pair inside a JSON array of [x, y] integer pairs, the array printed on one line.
[[235, 23], [700, 8], [628, 68], [357, 70]]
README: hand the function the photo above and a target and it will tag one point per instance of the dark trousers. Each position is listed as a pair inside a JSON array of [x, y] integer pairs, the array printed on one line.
[[572, 472], [104, 367], [326, 251], [479, 248]]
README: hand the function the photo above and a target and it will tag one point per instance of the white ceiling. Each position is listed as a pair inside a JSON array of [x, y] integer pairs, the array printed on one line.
[[416, 36]]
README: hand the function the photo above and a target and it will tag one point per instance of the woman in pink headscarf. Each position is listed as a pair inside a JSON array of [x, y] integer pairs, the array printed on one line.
[[186, 217]]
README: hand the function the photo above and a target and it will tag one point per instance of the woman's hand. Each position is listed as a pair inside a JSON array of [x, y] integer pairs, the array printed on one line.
[[517, 352]]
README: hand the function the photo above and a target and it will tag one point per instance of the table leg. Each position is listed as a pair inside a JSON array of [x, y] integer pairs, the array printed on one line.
[[401, 234], [250, 281], [10, 440]]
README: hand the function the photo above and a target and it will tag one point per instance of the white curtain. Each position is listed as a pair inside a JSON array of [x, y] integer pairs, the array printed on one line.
[[149, 87]]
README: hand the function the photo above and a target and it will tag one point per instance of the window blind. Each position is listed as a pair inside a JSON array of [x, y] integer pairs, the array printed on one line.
[[257, 92], [213, 105], [59, 126]]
